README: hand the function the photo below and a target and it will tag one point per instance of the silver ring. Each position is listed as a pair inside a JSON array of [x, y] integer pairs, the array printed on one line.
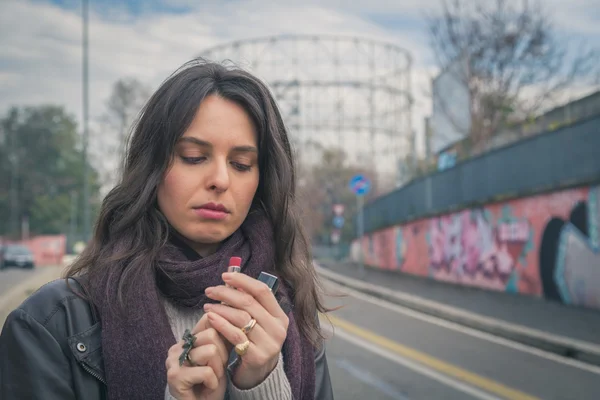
[[189, 360]]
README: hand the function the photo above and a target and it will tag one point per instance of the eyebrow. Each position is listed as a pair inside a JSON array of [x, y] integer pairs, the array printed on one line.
[[203, 143]]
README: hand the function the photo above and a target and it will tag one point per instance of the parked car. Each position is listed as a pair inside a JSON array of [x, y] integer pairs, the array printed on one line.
[[16, 255]]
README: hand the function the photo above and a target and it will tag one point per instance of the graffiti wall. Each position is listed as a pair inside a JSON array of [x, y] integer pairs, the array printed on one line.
[[545, 245]]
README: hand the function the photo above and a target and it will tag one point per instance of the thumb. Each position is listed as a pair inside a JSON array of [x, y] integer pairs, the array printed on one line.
[[182, 396]]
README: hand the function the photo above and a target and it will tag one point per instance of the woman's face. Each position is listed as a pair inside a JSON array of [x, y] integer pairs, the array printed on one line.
[[208, 190]]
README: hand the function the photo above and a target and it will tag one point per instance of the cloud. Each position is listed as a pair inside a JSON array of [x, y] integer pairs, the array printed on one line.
[[42, 55], [578, 18], [41, 59], [42, 43]]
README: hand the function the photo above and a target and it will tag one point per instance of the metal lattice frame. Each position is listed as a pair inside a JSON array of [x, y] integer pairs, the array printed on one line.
[[336, 91]]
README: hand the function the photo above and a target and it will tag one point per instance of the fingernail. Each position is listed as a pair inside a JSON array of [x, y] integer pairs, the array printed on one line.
[[226, 276], [208, 291], [208, 307]]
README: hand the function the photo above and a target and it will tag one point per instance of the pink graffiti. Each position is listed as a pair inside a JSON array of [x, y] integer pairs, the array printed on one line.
[[517, 231], [445, 251], [468, 245]]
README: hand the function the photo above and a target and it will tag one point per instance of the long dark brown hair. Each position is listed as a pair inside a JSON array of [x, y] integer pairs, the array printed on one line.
[[131, 230]]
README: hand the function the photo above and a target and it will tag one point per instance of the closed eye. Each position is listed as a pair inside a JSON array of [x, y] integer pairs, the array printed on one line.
[[193, 160], [241, 167]]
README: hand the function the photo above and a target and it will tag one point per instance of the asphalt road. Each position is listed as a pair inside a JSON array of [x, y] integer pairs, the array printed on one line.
[[382, 351], [10, 277]]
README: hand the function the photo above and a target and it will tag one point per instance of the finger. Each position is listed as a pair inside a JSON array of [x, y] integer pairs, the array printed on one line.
[[241, 301], [177, 348], [172, 359], [211, 336], [232, 333], [184, 378], [201, 325], [259, 334], [257, 289], [174, 354], [262, 348], [208, 355], [236, 316]]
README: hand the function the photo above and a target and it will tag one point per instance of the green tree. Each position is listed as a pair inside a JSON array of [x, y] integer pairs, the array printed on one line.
[[41, 164]]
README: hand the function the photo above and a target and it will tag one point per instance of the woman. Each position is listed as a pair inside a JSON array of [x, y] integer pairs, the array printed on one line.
[[209, 175]]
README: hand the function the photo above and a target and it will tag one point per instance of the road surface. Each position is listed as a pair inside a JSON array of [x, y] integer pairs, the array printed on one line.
[[10, 277], [383, 351]]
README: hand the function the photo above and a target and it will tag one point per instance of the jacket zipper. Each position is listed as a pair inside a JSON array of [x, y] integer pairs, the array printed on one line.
[[92, 373]]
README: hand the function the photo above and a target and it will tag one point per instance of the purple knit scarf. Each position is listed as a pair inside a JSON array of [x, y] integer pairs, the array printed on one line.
[[135, 350]]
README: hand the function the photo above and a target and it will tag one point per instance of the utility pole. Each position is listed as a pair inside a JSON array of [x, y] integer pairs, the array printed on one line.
[[86, 172]]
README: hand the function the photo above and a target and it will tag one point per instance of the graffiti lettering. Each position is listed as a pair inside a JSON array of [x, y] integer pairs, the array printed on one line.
[[517, 231], [541, 245], [469, 244]]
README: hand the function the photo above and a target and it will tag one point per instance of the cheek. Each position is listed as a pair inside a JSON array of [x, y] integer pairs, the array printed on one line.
[[170, 189], [247, 191]]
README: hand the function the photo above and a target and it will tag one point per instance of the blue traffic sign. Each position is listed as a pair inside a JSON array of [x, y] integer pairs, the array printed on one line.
[[360, 185], [338, 222]]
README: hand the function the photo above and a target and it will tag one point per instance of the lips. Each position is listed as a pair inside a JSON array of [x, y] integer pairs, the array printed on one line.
[[212, 211], [213, 207]]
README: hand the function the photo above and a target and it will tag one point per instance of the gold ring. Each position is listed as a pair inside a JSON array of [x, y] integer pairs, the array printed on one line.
[[242, 348], [248, 327]]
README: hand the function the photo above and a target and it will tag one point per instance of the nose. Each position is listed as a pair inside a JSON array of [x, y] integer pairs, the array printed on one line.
[[218, 176]]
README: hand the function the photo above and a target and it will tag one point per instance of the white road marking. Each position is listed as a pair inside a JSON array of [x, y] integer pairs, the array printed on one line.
[[455, 384], [466, 330]]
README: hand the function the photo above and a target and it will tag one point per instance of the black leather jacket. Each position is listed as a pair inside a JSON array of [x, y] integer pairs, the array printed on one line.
[[51, 348]]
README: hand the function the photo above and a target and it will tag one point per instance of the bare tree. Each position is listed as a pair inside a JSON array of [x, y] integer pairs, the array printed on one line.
[[122, 109], [515, 62], [326, 183]]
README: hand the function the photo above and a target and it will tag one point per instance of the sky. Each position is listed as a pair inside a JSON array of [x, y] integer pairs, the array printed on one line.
[[41, 56]]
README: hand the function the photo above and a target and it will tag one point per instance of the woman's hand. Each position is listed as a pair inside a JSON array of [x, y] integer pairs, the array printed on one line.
[[251, 299], [204, 378]]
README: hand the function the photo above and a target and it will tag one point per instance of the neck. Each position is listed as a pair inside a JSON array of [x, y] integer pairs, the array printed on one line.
[[204, 250]]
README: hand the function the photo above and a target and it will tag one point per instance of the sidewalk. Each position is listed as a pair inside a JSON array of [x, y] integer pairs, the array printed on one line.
[[570, 331]]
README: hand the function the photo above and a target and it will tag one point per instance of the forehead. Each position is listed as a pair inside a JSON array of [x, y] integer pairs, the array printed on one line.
[[220, 120]]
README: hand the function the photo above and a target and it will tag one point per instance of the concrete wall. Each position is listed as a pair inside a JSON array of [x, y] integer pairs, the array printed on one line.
[[544, 245], [48, 250]]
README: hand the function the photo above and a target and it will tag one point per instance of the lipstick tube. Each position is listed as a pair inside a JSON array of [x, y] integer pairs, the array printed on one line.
[[270, 280], [235, 265]]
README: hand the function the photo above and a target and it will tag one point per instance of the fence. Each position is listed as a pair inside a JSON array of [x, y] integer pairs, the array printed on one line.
[[563, 158]]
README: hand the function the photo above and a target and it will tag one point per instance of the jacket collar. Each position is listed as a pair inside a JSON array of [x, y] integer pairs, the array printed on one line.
[[87, 350]]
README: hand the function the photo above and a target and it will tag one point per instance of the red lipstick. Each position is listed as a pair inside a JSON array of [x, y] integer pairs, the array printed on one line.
[[235, 265]]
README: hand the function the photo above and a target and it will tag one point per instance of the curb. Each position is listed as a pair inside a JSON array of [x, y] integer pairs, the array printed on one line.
[[15, 296], [564, 346]]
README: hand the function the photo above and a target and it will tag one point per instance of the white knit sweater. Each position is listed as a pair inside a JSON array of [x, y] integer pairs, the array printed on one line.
[[275, 387]]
